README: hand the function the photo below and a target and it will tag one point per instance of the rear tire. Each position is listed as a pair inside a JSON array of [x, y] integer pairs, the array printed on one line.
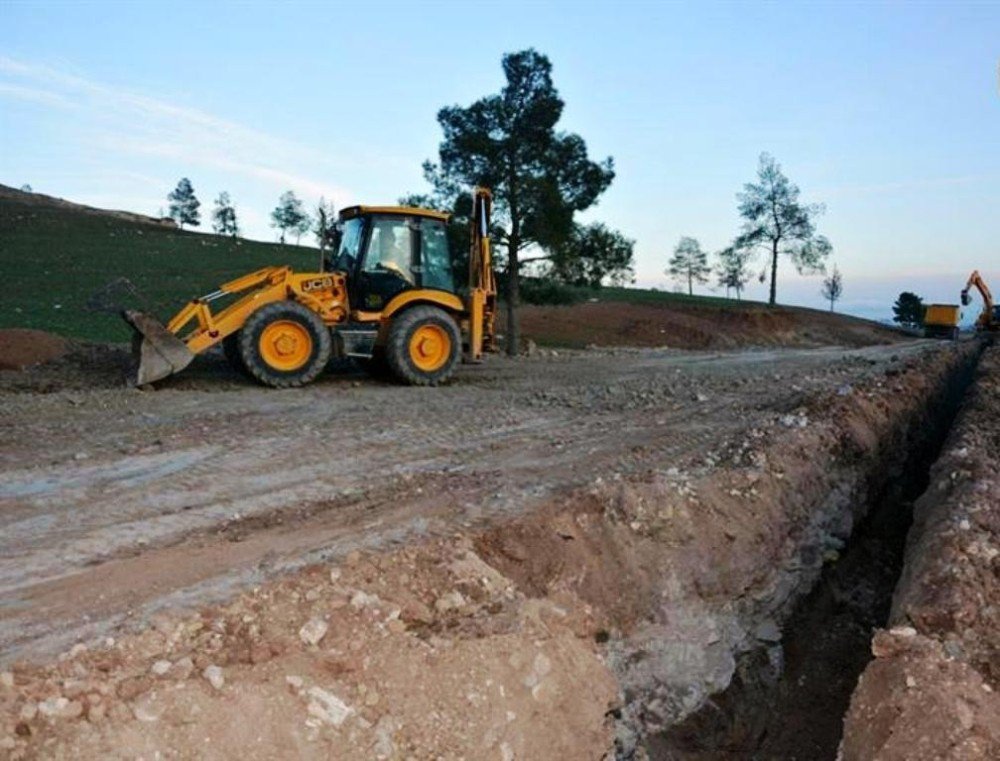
[[423, 346], [285, 344]]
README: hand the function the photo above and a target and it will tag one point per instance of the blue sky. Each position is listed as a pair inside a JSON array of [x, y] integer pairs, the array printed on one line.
[[889, 113]]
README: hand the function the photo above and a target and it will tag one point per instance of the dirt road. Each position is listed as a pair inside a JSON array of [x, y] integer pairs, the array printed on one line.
[[116, 503]]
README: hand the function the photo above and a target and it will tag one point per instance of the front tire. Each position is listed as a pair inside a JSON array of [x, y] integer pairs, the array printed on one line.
[[423, 346], [285, 344]]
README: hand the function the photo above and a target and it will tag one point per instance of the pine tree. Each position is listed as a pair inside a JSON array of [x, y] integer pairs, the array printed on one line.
[[290, 216], [689, 263], [184, 204], [325, 224], [224, 216], [540, 174], [908, 310], [776, 222], [733, 270]]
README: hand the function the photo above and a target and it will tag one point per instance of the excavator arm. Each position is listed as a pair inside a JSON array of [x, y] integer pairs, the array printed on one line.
[[987, 320]]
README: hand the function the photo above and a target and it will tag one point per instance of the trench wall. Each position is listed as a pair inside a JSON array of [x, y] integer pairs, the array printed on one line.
[[682, 572], [931, 691]]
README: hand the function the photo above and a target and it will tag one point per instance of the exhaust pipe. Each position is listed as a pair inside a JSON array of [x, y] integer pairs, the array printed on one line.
[[156, 352]]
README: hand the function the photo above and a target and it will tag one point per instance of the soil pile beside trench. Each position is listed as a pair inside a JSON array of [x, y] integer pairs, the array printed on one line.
[[683, 326], [932, 690]]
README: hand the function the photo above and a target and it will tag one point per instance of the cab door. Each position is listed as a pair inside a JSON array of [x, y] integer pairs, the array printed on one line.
[[437, 265], [390, 264]]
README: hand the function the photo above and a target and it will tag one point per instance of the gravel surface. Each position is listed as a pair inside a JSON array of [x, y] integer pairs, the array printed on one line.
[[116, 502]]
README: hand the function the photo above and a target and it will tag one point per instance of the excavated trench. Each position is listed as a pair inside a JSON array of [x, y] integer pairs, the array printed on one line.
[[787, 699]]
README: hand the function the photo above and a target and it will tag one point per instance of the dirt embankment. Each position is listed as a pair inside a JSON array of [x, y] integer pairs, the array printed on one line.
[[931, 692], [614, 323], [598, 618], [21, 348], [40, 199]]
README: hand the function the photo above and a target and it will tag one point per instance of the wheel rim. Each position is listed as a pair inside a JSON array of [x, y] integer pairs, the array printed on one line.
[[430, 348], [285, 345]]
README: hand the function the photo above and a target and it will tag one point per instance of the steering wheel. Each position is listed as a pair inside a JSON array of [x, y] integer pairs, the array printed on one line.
[[396, 270]]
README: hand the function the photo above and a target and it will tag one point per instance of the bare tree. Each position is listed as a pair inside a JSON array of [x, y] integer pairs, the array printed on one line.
[[833, 287]]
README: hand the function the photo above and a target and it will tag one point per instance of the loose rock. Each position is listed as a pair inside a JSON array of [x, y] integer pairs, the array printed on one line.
[[214, 676]]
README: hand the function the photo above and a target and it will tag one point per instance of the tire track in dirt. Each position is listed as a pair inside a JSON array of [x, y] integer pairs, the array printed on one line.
[[189, 494]]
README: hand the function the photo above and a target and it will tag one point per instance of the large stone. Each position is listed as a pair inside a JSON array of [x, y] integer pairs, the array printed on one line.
[[213, 674], [313, 631], [327, 707], [182, 669]]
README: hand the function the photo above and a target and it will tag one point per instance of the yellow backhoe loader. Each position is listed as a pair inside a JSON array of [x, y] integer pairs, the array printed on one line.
[[989, 318], [388, 296]]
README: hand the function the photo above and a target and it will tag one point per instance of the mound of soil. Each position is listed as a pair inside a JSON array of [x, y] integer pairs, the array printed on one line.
[[933, 689], [21, 348], [696, 327]]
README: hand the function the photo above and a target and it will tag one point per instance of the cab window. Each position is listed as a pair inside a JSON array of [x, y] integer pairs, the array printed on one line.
[[436, 261], [390, 249], [350, 245]]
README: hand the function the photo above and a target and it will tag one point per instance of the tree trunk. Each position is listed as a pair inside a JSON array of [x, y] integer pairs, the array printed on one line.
[[774, 274], [513, 298], [690, 287], [513, 264]]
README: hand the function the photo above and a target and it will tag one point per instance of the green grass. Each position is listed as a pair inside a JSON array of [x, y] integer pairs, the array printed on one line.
[[54, 259]]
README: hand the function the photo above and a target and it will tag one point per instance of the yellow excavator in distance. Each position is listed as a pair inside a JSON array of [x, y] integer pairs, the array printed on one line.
[[388, 296], [989, 318]]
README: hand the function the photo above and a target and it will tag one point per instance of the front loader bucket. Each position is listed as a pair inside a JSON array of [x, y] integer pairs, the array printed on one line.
[[157, 352]]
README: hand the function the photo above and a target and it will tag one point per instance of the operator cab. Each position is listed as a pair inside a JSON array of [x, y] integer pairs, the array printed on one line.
[[387, 250]]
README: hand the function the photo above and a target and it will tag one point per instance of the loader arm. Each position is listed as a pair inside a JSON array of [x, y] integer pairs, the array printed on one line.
[[265, 285], [163, 350]]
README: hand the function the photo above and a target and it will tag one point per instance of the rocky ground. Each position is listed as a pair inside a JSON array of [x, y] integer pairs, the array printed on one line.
[[931, 692], [552, 557]]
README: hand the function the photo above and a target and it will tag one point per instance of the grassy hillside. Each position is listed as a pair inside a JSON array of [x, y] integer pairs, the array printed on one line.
[[54, 257]]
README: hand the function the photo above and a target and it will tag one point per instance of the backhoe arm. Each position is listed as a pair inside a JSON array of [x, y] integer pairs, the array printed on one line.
[[976, 281], [482, 280]]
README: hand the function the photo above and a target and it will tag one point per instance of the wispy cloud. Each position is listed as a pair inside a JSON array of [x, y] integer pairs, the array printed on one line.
[[121, 121], [897, 186], [34, 95]]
